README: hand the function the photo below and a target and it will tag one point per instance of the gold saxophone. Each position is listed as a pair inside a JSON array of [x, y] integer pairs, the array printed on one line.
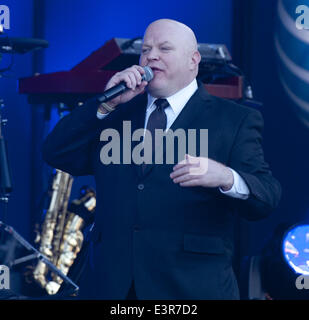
[[61, 237]]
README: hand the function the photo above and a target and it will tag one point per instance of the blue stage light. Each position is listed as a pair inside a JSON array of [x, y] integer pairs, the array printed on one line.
[[295, 247]]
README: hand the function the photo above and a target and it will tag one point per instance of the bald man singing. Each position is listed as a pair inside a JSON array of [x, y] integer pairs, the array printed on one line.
[[165, 230]]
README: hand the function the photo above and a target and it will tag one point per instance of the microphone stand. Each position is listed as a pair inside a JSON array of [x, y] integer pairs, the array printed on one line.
[[5, 178]]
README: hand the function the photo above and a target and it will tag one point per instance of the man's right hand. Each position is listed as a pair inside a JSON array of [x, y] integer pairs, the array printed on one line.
[[133, 78]]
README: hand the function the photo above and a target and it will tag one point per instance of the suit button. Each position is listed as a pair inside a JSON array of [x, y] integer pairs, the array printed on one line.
[[140, 186], [136, 228]]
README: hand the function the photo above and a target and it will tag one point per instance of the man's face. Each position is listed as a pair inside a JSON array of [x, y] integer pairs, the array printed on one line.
[[166, 52]]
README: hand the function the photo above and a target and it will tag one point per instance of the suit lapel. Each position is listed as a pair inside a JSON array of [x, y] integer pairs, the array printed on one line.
[[137, 112], [193, 110]]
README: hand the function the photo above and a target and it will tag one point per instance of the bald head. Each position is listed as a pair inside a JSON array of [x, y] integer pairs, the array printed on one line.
[[170, 49], [184, 34]]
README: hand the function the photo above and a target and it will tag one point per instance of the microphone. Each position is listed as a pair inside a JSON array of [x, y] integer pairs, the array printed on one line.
[[120, 88]]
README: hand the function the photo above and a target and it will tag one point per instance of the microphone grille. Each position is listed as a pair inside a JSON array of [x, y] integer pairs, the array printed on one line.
[[148, 74]]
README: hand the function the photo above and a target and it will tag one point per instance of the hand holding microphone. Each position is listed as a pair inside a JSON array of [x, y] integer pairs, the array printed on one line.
[[125, 85]]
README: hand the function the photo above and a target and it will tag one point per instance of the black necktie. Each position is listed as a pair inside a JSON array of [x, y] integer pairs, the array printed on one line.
[[157, 120]]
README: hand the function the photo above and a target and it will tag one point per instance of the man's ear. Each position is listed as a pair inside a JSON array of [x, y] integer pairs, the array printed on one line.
[[195, 60]]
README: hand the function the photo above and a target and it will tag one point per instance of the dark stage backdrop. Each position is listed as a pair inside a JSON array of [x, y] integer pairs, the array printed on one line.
[[251, 29], [274, 55]]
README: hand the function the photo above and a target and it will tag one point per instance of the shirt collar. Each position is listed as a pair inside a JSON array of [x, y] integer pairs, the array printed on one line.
[[178, 100]]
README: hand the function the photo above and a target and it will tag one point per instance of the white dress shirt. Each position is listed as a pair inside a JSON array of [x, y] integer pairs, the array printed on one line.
[[177, 102]]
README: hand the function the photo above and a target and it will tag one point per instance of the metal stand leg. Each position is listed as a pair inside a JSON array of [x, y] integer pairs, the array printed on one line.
[[5, 178]]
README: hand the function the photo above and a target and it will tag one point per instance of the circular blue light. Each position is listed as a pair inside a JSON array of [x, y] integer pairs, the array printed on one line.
[[295, 248]]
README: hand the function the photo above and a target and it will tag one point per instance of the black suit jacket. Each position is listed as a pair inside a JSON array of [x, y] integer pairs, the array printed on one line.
[[174, 242]]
